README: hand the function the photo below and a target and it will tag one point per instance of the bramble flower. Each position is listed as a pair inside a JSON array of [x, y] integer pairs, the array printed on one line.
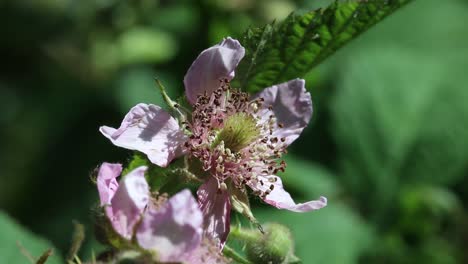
[[238, 139], [123, 203], [170, 228]]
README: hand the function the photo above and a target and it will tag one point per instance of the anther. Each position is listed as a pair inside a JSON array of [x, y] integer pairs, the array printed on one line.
[[223, 186]]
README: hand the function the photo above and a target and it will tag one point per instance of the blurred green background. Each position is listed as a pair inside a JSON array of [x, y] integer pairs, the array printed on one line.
[[388, 142]]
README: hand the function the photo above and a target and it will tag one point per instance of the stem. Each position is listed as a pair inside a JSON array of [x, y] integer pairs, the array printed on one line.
[[243, 235], [77, 259], [229, 252], [93, 257], [172, 105], [77, 240], [166, 97]]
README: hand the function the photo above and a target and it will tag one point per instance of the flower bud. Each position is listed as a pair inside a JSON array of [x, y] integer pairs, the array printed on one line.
[[275, 246]]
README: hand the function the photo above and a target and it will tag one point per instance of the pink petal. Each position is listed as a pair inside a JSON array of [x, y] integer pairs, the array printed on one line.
[[106, 181], [207, 252], [281, 199], [151, 130], [216, 208], [292, 107], [174, 230], [213, 64], [128, 203]]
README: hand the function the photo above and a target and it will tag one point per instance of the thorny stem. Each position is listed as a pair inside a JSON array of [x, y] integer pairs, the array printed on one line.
[[166, 97], [229, 252], [172, 105]]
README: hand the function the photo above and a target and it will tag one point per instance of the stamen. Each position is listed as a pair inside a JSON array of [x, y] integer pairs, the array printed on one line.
[[232, 141]]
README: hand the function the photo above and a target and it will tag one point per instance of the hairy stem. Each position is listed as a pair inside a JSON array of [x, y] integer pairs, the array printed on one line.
[[241, 234], [229, 252]]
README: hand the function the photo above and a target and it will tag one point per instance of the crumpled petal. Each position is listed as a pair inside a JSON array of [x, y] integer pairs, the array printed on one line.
[[151, 130], [106, 181], [281, 199], [213, 64], [128, 203], [291, 105], [216, 207], [174, 230]]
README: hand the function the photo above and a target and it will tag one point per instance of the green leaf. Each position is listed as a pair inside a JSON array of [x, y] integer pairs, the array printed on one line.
[[283, 51], [170, 179], [138, 159], [155, 175], [16, 242]]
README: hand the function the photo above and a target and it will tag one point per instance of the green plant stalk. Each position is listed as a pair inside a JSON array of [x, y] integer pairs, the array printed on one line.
[[240, 234], [229, 252], [174, 106]]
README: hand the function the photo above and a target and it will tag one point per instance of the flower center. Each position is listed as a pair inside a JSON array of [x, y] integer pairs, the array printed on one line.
[[238, 132], [233, 138]]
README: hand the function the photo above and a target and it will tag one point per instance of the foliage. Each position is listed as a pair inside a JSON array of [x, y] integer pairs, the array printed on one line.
[[402, 148], [387, 144], [279, 52], [399, 124]]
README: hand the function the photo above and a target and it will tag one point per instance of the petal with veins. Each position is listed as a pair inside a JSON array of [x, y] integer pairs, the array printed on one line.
[[174, 230], [291, 105], [212, 65], [216, 207], [106, 181], [281, 199], [151, 130], [128, 203]]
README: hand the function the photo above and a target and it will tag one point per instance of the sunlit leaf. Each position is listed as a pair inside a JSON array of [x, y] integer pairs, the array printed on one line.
[[282, 51]]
